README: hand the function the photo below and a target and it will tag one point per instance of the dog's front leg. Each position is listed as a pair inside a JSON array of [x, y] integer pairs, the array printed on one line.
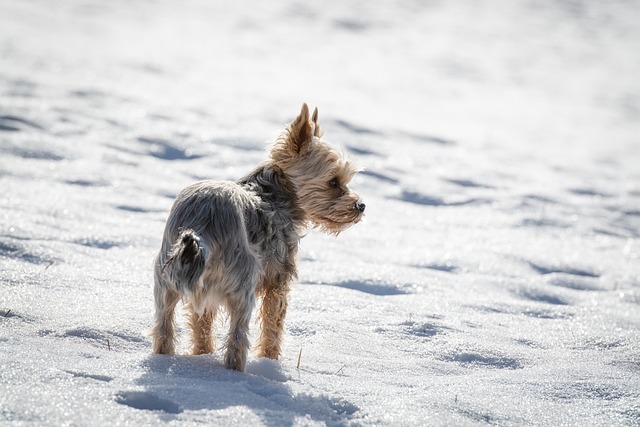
[[272, 314], [201, 328]]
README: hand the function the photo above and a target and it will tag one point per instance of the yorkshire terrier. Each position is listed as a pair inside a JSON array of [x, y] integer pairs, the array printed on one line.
[[231, 243]]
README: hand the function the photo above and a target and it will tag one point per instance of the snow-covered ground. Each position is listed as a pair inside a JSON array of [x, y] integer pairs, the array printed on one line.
[[496, 279]]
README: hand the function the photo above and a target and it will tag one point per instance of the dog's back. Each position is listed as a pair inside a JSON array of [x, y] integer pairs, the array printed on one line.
[[205, 236]]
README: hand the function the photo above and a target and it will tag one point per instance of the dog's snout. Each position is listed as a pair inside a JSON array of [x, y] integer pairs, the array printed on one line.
[[360, 206]]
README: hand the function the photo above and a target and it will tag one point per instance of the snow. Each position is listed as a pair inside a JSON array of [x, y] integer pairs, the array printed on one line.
[[496, 279]]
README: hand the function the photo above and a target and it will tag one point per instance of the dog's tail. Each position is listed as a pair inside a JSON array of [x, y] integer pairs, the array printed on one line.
[[186, 262]]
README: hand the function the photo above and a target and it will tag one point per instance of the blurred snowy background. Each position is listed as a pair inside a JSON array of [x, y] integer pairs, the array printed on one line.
[[495, 281]]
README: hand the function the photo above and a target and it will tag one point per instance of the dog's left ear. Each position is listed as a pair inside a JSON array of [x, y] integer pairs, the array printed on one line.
[[317, 131], [301, 131]]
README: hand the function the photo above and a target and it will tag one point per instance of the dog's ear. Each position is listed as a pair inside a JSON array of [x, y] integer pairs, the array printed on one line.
[[317, 130], [300, 131]]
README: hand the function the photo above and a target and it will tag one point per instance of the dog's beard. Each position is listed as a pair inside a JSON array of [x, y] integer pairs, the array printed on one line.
[[336, 221]]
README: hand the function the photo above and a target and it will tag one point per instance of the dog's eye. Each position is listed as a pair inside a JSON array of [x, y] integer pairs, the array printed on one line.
[[333, 183]]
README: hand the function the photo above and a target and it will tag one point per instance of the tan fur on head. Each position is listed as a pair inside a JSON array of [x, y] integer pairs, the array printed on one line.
[[319, 174], [296, 137]]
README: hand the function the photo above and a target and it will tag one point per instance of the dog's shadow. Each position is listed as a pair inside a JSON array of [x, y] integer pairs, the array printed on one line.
[[175, 384]]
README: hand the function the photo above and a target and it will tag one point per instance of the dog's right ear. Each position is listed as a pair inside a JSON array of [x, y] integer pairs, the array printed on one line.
[[317, 130], [300, 131]]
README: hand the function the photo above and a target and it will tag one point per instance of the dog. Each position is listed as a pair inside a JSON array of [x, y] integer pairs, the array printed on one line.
[[229, 244]]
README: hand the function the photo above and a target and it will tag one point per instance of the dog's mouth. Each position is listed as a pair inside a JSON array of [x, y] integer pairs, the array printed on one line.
[[339, 223]]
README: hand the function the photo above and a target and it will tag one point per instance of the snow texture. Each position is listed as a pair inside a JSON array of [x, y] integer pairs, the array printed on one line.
[[496, 279]]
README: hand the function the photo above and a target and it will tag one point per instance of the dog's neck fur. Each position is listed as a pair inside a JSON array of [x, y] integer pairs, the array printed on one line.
[[282, 222], [269, 183]]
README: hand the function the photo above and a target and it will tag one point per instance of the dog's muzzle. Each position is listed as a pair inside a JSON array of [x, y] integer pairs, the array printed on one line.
[[360, 206]]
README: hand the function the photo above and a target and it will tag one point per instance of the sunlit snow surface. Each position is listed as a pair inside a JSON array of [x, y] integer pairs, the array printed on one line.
[[496, 279]]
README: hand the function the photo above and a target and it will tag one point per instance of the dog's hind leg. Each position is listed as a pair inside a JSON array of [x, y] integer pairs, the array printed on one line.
[[164, 331], [237, 344], [201, 328], [272, 314], [239, 290]]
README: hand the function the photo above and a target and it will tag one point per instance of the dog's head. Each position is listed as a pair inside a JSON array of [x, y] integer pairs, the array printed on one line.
[[318, 173]]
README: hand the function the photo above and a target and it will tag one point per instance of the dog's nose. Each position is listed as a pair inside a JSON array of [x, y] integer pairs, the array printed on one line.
[[360, 206]]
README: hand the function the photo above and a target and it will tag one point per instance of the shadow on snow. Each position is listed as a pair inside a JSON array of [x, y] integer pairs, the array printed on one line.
[[174, 384]]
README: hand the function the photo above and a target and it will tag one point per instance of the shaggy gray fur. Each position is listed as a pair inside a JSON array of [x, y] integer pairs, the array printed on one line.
[[219, 239], [228, 243]]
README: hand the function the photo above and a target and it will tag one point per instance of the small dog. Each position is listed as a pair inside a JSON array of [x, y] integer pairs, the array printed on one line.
[[229, 243]]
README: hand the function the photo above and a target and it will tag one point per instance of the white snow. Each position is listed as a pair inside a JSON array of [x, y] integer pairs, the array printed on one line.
[[496, 279]]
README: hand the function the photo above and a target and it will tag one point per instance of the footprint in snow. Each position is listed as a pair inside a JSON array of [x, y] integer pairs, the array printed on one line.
[[474, 359], [147, 401]]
